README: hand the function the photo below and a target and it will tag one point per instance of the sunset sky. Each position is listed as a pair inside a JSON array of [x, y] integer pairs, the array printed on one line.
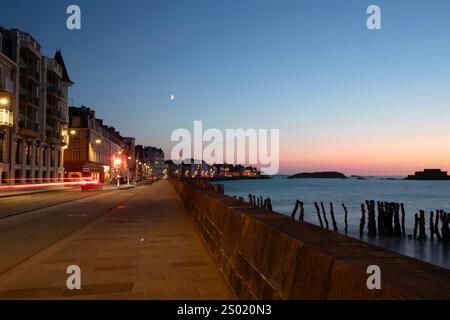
[[344, 98]]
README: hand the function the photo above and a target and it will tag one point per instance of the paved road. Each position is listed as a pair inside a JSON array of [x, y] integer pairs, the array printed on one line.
[[130, 244]]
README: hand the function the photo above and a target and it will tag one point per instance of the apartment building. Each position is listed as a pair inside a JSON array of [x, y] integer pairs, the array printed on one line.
[[8, 72], [38, 135], [95, 150], [155, 157]]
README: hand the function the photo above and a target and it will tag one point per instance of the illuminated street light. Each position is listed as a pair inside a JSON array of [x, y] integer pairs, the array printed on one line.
[[98, 141], [73, 132], [4, 101]]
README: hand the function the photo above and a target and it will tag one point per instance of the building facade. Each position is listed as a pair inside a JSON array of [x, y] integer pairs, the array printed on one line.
[[38, 111], [95, 150], [155, 159]]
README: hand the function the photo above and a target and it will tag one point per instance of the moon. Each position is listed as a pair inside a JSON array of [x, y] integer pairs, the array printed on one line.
[[172, 97]]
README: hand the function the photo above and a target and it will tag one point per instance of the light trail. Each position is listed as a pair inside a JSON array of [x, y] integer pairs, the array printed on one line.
[[53, 184]]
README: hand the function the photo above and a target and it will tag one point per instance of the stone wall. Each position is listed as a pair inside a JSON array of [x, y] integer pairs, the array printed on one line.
[[265, 255]]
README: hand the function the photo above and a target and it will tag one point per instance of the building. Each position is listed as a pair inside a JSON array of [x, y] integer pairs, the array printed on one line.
[[155, 158], [130, 151], [8, 72], [96, 150], [37, 115], [142, 163], [429, 174]]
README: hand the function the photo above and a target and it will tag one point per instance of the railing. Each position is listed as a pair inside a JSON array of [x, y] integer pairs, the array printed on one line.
[[28, 68], [29, 124], [53, 65], [6, 118], [7, 86], [53, 134], [54, 89], [28, 97], [25, 37], [53, 111]]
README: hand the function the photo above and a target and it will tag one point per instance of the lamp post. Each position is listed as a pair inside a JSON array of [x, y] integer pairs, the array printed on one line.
[[117, 163]]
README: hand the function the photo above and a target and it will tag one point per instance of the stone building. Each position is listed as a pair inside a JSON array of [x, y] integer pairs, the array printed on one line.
[[35, 140], [96, 150]]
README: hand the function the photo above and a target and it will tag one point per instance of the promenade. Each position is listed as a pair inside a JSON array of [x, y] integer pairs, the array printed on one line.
[[136, 243]]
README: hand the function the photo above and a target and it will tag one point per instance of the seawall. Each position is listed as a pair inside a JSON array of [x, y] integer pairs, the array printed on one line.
[[266, 255]]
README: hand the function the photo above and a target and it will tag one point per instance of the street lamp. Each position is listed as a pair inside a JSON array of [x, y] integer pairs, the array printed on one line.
[[117, 163]]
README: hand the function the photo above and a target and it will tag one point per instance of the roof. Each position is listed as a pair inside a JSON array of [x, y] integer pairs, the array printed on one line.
[[59, 58]]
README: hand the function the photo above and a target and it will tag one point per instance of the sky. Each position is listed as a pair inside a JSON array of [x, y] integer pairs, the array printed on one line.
[[345, 98]]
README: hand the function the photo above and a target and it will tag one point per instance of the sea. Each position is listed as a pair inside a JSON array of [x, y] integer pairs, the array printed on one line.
[[415, 195]]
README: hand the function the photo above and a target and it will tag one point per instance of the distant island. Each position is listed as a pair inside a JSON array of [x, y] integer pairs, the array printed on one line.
[[429, 174], [318, 175]]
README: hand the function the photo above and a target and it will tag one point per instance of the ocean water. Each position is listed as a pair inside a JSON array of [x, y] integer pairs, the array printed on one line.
[[416, 195]]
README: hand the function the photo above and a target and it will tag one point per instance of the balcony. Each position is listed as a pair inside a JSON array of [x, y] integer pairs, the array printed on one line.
[[53, 136], [27, 41], [53, 66], [53, 111], [31, 70], [52, 88], [28, 127], [7, 86], [6, 118], [27, 96]]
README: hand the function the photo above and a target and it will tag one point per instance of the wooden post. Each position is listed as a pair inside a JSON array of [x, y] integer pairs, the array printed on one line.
[[397, 227], [403, 219], [432, 225], [295, 209], [345, 218], [416, 225], [362, 222], [324, 216], [302, 212], [380, 217], [436, 226], [269, 204], [333, 220], [250, 199], [371, 224], [422, 231], [318, 214]]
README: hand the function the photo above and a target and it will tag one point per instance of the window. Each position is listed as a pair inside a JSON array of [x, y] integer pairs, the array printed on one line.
[[75, 154], [75, 122], [75, 137]]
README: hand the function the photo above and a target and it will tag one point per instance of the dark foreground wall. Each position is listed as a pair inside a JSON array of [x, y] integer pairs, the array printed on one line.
[[264, 255]]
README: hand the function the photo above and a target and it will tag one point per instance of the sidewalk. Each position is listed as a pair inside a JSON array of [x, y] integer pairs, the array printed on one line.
[[146, 248]]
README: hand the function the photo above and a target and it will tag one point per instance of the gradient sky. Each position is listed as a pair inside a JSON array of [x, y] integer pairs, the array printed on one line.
[[344, 98]]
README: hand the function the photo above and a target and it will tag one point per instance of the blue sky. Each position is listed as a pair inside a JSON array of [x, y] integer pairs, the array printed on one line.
[[310, 68]]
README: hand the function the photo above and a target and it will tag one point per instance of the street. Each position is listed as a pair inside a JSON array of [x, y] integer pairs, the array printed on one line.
[[135, 243]]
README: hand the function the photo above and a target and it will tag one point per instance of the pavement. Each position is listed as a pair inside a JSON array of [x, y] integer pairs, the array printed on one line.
[[136, 243]]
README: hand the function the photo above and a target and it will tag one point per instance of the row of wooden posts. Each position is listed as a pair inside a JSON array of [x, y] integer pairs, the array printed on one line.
[[380, 218]]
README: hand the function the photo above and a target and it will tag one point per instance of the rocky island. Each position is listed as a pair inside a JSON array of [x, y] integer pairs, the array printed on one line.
[[318, 175]]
